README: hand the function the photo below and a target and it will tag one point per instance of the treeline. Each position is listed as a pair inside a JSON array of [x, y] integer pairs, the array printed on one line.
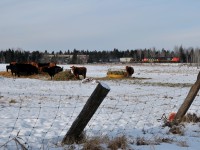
[[186, 55]]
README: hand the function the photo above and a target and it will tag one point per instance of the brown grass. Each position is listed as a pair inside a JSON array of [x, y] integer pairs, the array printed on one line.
[[34, 76], [118, 143], [191, 118], [102, 143], [177, 130], [12, 101], [142, 141], [61, 76], [163, 140], [6, 74], [92, 144], [99, 143], [154, 141]]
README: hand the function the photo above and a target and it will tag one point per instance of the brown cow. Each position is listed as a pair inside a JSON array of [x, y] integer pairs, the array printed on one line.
[[79, 71], [129, 71], [33, 63]]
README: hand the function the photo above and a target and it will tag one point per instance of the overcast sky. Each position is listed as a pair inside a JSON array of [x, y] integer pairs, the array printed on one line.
[[55, 25]]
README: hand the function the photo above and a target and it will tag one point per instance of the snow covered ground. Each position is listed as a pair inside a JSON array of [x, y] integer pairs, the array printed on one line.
[[39, 112]]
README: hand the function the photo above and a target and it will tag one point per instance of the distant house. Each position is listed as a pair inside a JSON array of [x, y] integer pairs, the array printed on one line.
[[126, 59], [66, 59], [114, 60], [82, 59], [60, 59]]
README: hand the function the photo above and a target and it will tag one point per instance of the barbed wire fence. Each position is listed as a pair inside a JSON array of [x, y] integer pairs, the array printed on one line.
[[40, 121]]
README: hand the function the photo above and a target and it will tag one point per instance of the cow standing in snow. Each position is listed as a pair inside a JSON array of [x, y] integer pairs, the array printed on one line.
[[129, 71], [52, 70], [79, 71]]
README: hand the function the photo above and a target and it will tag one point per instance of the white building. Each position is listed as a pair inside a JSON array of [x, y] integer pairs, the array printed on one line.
[[126, 59]]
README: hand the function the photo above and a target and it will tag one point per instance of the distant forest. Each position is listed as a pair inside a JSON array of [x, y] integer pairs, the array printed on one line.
[[189, 55]]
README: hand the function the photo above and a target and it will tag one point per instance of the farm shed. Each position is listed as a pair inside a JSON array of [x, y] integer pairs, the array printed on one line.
[[126, 59]]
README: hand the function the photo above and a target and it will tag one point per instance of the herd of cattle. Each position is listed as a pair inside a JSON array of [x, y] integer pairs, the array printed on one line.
[[31, 68], [18, 69]]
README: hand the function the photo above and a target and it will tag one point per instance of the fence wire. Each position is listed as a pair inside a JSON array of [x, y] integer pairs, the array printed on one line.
[[35, 121]]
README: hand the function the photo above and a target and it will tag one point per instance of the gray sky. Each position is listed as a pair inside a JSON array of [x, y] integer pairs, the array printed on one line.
[[55, 25]]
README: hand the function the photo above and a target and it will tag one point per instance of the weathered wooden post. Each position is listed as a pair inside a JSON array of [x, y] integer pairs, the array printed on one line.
[[198, 76], [188, 101], [86, 114]]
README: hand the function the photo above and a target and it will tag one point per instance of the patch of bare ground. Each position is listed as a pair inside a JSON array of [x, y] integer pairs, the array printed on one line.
[[142, 141], [34, 76], [98, 142], [125, 78], [157, 141], [6, 74], [67, 75], [179, 129], [63, 76], [121, 142], [168, 84]]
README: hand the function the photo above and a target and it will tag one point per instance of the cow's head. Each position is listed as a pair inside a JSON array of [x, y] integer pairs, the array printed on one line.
[[61, 69], [73, 67], [127, 67]]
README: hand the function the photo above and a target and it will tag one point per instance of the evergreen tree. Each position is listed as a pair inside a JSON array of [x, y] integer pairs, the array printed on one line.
[[74, 57], [182, 54]]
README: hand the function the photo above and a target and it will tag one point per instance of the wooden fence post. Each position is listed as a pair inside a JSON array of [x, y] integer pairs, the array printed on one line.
[[198, 76], [86, 114], [188, 101]]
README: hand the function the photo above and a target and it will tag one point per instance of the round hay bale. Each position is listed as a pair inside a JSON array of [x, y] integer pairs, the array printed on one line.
[[64, 75], [116, 74]]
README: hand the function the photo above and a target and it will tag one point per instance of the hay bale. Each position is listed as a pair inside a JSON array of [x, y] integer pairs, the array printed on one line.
[[116, 74], [64, 75]]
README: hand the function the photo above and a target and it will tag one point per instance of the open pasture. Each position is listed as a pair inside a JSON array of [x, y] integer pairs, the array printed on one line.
[[38, 112]]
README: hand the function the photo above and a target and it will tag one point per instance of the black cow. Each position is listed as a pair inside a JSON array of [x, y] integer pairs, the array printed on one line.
[[41, 66], [79, 71], [52, 70], [8, 67], [129, 71], [25, 69]]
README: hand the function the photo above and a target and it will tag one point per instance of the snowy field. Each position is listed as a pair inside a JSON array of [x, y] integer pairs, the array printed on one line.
[[39, 112]]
